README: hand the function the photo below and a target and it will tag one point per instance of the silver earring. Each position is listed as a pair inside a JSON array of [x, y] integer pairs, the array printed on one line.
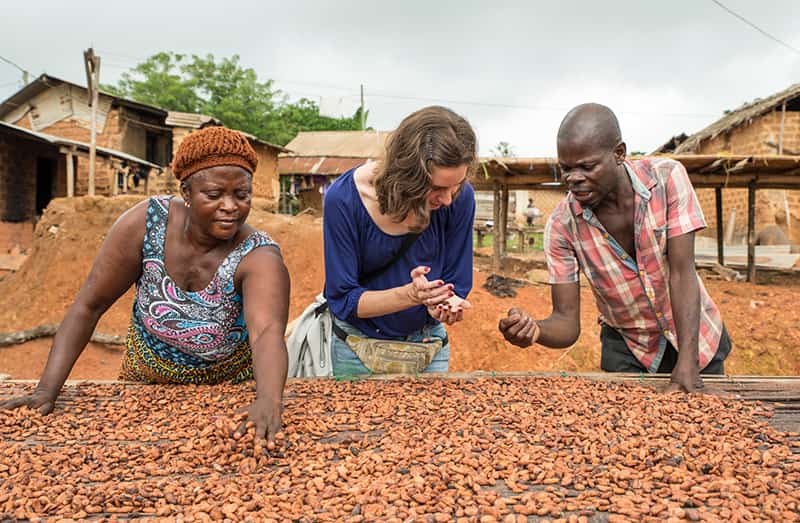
[[186, 204]]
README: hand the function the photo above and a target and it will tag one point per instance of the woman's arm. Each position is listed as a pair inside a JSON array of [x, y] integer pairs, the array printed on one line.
[[419, 291], [116, 268], [265, 287], [345, 294]]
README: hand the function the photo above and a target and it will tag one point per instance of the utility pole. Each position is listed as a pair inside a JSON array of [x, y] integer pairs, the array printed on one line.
[[92, 63], [363, 116]]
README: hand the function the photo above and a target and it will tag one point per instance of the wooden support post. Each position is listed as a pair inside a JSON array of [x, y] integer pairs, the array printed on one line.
[[780, 133], [147, 182], [720, 233], [504, 219], [496, 229], [751, 232], [70, 175], [92, 64], [113, 179]]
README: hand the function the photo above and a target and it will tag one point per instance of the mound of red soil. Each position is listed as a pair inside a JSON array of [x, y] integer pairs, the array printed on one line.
[[765, 331]]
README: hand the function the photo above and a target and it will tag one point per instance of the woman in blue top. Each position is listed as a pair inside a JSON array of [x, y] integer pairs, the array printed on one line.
[[419, 187], [212, 293]]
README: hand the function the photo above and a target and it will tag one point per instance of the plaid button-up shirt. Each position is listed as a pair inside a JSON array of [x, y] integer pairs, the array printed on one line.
[[632, 295]]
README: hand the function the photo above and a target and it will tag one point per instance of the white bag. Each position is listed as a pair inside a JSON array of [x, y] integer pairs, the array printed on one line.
[[309, 344]]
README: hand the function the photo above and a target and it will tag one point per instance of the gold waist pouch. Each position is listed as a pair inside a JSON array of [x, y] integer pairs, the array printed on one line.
[[394, 357]]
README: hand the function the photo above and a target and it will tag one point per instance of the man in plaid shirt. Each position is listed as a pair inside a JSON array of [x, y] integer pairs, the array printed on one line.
[[629, 226]]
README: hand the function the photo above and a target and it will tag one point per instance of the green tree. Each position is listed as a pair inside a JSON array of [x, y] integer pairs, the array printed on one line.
[[227, 91], [158, 81], [234, 95], [303, 115], [503, 150]]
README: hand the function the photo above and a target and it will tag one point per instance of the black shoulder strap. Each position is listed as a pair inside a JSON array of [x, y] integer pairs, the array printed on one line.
[[408, 241]]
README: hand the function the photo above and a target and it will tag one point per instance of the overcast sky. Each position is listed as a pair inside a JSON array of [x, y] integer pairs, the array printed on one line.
[[663, 66]]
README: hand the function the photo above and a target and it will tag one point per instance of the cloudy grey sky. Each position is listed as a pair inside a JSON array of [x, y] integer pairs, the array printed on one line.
[[512, 68]]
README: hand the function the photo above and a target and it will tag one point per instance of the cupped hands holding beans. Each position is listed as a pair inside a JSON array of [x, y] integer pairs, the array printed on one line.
[[437, 295]]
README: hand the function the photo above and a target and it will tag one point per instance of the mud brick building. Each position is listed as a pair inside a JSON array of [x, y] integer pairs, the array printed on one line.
[[45, 130], [265, 180], [44, 149], [317, 158], [767, 126]]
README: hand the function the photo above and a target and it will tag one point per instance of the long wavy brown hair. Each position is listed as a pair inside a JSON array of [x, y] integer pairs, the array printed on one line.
[[433, 136]]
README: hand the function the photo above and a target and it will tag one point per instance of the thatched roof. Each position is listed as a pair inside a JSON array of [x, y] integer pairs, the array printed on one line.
[[742, 116]]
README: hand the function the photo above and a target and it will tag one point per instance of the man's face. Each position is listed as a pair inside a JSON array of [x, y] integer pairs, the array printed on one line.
[[589, 171], [445, 183]]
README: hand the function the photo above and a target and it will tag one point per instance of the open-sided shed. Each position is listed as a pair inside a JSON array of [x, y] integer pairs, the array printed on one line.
[[705, 171]]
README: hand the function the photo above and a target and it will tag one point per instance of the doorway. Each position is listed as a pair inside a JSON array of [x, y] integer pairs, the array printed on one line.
[[45, 183]]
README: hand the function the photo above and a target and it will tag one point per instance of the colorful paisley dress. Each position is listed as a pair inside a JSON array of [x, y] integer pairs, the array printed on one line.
[[178, 336]]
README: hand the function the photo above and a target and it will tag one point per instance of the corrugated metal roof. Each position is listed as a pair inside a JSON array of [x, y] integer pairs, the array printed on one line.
[[57, 140], [190, 120], [352, 144], [316, 165]]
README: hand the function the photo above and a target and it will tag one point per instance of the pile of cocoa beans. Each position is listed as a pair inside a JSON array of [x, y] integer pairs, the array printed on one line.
[[508, 449]]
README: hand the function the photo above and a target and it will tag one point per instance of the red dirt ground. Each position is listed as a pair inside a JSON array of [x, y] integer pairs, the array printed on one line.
[[760, 318]]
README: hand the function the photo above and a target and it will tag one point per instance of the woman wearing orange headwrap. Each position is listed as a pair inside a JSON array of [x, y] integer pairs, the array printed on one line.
[[212, 293]]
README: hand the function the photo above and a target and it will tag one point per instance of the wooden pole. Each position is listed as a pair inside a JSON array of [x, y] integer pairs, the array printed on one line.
[[751, 232], [113, 177], [503, 220], [720, 234], [496, 232], [780, 133], [70, 175], [92, 63], [363, 116]]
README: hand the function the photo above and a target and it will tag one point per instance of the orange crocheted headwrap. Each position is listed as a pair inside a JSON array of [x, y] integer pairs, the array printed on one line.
[[211, 147]]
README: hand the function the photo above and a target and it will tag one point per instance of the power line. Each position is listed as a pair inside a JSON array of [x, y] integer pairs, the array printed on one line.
[[402, 97], [528, 107], [25, 73], [754, 26]]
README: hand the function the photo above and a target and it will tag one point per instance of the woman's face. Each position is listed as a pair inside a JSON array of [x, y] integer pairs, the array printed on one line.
[[445, 184], [219, 199]]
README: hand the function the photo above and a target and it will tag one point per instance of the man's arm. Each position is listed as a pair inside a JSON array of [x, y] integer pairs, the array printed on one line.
[[563, 326], [684, 294], [559, 330]]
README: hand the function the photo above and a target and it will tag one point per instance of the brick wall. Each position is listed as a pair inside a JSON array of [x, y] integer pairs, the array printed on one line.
[[265, 179], [770, 208], [18, 173], [750, 139], [116, 134], [74, 129]]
